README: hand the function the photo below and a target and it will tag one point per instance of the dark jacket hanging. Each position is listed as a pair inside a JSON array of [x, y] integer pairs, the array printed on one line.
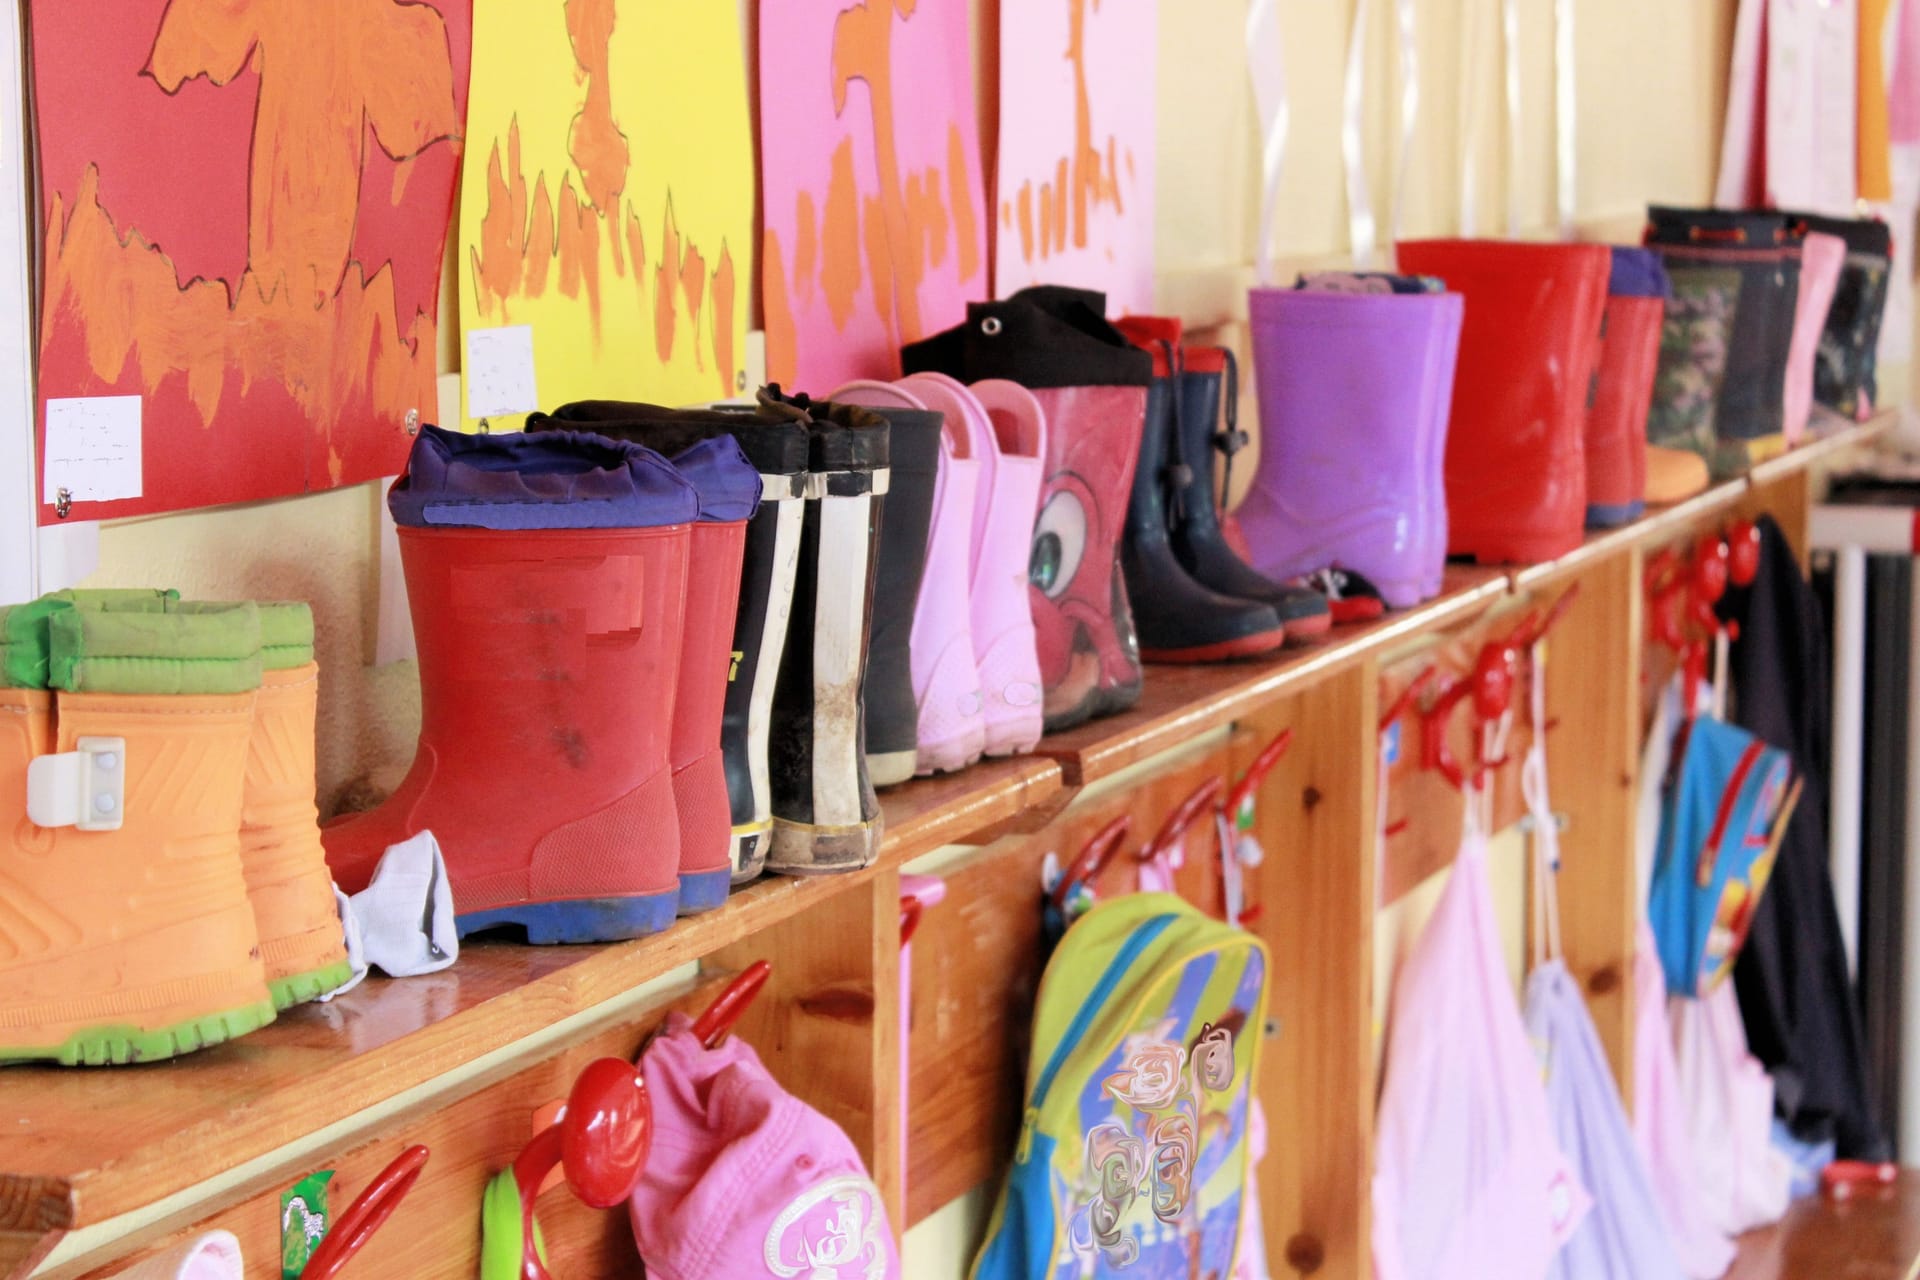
[[1799, 1008]]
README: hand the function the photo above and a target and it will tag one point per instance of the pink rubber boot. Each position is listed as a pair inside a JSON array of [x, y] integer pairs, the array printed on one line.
[[946, 681], [1000, 614], [1003, 638]]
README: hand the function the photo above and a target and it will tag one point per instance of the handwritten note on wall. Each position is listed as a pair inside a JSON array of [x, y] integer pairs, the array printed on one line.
[[500, 377], [92, 448]]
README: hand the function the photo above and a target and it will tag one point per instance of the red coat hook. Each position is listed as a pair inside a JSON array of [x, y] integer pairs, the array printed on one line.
[[367, 1214], [1743, 552], [1243, 791], [601, 1142], [1408, 696], [1092, 859], [713, 1026], [1184, 815], [1490, 685]]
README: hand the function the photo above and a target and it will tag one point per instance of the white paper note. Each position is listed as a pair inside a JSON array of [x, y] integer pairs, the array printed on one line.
[[92, 448], [499, 372]]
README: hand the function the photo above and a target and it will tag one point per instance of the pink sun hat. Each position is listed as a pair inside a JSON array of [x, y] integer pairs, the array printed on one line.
[[746, 1180]]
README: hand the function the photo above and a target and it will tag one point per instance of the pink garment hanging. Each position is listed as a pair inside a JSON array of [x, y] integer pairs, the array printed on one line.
[[1729, 1104], [1469, 1183], [1660, 1123]]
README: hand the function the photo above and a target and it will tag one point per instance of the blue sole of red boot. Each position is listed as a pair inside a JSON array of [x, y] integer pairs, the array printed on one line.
[[579, 920], [704, 891]]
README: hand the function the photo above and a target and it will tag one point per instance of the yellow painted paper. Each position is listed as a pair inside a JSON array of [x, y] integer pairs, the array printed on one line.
[[607, 196]]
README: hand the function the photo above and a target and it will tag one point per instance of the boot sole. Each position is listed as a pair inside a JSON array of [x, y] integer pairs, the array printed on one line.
[[800, 849], [1241, 647], [579, 920], [704, 890], [301, 987], [1309, 630], [892, 768], [120, 1045]]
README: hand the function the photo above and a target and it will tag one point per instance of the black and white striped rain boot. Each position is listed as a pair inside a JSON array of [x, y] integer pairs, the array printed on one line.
[[826, 817]]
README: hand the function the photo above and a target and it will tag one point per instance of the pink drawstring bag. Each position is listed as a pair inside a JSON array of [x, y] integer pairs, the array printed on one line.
[[1821, 257], [1729, 1105], [1469, 1183], [1660, 1124]]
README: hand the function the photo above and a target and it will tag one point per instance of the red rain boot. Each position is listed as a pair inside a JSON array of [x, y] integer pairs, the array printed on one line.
[[548, 661], [1623, 389], [1516, 447]]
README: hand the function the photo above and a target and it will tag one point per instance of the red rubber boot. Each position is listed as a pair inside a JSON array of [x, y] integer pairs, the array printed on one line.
[[1623, 389], [1516, 447], [729, 489], [548, 664]]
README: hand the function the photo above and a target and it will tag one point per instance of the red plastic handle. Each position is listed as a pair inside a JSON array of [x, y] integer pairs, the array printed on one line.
[[713, 1026], [1184, 815], [1092, 859], [367, 1214], [1257, 772]]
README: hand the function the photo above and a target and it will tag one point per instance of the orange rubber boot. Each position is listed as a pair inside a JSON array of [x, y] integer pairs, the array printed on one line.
[[138, 943], [301, 941]]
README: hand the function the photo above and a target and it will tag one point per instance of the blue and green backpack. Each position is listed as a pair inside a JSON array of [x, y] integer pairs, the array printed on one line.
[[1133, 1157]]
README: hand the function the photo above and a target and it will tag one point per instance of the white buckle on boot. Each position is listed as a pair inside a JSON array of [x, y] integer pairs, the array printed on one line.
[[85, 789]]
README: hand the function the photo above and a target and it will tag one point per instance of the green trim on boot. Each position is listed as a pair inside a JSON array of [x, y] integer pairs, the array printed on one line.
[[286, 635], [117, 1045], [204, 649], [301, 987]]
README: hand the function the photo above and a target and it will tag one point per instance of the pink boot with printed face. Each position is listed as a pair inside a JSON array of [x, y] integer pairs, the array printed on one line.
[[1003, 637], [946, 680]]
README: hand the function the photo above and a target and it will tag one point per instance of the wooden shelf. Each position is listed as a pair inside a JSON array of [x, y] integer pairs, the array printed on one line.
[[78, 1147], [1874, 1234], [82, 1148]]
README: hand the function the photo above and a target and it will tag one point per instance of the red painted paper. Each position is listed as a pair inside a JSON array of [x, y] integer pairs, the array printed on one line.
[[244, 206]]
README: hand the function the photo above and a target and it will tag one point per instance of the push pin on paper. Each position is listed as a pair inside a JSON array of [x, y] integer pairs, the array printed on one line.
[[63, 502]]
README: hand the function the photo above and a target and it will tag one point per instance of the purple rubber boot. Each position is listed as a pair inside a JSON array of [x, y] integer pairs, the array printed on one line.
[[1354, 396]]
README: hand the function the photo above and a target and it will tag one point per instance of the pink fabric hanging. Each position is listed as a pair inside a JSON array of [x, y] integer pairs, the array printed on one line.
[[1469, 1183], [1729, 1105], [1660, 1124], [1659, 1109]]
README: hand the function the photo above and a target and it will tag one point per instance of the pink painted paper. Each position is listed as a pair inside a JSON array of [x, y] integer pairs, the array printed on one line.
[[1075, 182], [870, 173]]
